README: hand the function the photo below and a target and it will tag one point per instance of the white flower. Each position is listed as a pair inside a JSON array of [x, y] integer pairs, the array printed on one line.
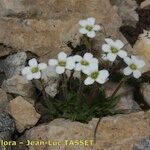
[[88, 27], [94, 75], [134, 64], [33, 71], [62, 63], [85, 63], [114, 49]]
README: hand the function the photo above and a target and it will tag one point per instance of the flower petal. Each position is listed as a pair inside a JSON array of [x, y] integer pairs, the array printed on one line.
[[60, 69], [25, 71], [88, 81], [122, 53], [138, 62], [77, 58], [104, 73], [86, 70], [93, 67], [42, 66], [136, 74], [88, 56], [91, 34], [29, 76], [119, 44], [94, 60], [62, 56], [106, 48], [33, 63], [90, 21], [78, 67], [83, 31], [70, 63], [36, 75], [97, 27], [100, 79], [109, 41], [111, 57], [128, 60], [83, 23], [53, 62], [127, 71]]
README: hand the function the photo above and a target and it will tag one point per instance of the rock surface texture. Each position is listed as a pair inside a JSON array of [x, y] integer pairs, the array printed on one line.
[[120, 132], [19, 85], [24, 113], [45, 27]]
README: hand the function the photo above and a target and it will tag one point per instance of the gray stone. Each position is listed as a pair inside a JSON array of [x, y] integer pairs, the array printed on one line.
[[127, 11], [3, 100], [19, 85], [13, 64], [6, 123], [143, 144]]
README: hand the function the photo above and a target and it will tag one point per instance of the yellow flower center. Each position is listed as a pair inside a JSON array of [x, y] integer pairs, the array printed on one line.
[[94, 75], [62, 63], [133, 66], [84, 63], [89, 28], [35, 70], [114, 50]]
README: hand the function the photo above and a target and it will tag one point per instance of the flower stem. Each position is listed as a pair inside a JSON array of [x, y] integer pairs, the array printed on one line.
[[43, 89], [64, 85], [118, 87], [93, 94]]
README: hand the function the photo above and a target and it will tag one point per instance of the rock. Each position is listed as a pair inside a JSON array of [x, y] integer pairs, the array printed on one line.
[[13, 64], [145, 4], [48, 27], [127, 11], [9, 7], [143, 144], [50, 81], [127, 102], [142, 49], [24, 113], [6, 123], [7, 127], [145, 90], [119, 132], [19, 85], [3, 100]]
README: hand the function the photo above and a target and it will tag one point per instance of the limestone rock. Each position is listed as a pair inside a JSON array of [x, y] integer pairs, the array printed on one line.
[[24, 113], [127, 102], [3, 100], [145, 90], [48, 27], [127, 11], [145, 4], [19, 85], [119, 132], [6, 123], [13, 64], [142, 144], [142, 49], [7, 127]]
